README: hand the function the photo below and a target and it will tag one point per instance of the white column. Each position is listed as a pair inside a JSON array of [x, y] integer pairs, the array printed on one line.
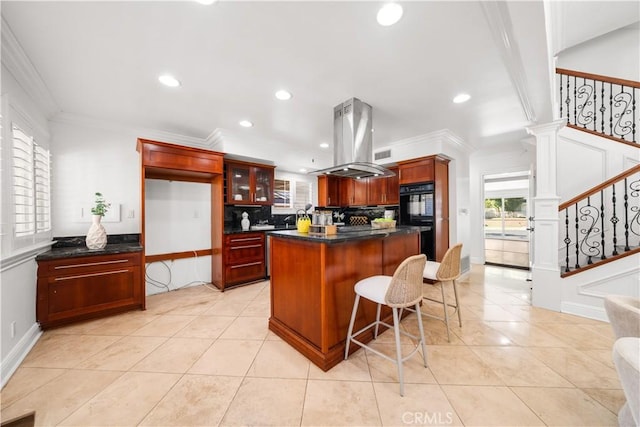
[[546, 281]]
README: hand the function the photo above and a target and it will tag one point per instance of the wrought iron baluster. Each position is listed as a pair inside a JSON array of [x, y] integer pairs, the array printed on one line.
[[561, 100], [626, 217], [614, 220], [602, 107], [567, 240], [633, 109], [568, 100], [575, 101], [595, 101], [602, 255], [610, 109], [577, 239]]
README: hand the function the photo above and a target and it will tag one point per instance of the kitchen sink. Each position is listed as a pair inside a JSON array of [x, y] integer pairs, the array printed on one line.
[[263, 227]]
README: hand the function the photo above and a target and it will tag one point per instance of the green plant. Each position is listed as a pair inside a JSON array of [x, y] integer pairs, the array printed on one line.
[[101, 207]]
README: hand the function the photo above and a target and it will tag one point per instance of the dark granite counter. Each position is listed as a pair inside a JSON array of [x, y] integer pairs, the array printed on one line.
[[69, 247], [229, 230], [346, 234]]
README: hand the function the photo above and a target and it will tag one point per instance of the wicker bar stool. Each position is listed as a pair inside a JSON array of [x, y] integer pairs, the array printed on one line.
[[402, 290], [441, 273]]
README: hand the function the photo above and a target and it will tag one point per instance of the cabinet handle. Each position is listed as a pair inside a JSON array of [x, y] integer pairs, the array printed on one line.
[[59, 267], [247, 246], [246, 239], [80, 276], [246, 265]]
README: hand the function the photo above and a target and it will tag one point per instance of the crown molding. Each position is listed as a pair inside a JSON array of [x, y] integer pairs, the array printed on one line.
[[19, 65], [138, 132], [499, 21], [440, 136]]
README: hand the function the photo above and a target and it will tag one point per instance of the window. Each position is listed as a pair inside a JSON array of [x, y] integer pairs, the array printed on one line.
[[31, 184], [292, 194]]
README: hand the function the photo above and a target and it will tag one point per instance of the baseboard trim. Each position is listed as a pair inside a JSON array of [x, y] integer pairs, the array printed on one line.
[[10, 364], [584, 310]]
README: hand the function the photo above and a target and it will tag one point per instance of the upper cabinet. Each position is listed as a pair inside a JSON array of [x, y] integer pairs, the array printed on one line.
[[328, 191], [384, 191], [249, 183], [417, 170], [334, 191]]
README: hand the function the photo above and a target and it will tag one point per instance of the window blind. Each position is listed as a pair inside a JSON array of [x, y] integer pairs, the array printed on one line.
[[31, 170], [302, 194], [23, 188], [42, 174]]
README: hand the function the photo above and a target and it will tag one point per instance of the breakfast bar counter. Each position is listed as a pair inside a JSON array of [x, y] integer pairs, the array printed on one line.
[[312, 280]]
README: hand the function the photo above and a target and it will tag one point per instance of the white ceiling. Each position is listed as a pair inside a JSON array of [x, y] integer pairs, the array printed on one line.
[[101, 60]]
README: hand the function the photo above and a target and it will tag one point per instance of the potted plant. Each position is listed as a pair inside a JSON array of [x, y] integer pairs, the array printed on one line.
[[97, 235]]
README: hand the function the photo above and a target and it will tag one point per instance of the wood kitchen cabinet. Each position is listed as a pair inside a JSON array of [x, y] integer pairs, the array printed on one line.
[[354, 192], [416, 170], [384, 191], [244, 258], [78, 288], [329, 191], [359, 192], [249, 183]]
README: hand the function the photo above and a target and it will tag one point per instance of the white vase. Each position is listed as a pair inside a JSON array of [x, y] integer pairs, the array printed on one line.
[[97, 235]]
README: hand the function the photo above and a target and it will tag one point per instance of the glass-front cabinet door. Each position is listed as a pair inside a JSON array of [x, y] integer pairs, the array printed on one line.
[[239, 183], [263, 185], [249, 184]]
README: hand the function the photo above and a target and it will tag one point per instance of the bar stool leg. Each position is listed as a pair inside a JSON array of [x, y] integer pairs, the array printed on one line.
[[421, 327], [351, 323], [455, 291], [396, 329], [446, 313], [375, 332]]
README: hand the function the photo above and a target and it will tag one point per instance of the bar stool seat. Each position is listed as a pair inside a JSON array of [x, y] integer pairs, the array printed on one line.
[[441, 273], [400, 291]]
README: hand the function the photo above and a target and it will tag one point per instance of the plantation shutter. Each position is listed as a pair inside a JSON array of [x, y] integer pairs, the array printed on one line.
[[42, 165], [23, 182], [303, 194]]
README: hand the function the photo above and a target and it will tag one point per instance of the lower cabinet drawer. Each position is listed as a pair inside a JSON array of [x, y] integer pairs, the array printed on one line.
[[72, 295], [245, 272]]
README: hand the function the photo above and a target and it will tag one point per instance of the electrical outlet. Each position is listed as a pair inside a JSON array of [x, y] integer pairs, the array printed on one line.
[[131, 214], [13, 329]]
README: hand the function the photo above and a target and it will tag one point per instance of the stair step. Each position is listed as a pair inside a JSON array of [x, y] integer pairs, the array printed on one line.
[[596, 262]]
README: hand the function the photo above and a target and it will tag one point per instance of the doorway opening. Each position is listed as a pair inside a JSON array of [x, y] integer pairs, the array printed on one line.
[[506, 220]]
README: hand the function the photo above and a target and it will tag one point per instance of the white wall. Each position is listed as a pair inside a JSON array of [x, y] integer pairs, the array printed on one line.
[[177, 219], [89, 159], [615, 54], [18, 328]]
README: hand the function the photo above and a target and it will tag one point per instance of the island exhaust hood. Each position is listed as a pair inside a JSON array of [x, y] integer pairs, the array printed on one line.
[[353, 143]]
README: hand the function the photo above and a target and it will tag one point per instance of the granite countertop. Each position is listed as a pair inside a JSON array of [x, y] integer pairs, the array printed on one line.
[[69, 247], [356, 233], [80, 251], [230, 230]]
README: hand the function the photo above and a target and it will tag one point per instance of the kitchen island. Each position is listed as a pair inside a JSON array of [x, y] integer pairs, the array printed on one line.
[[312, 280]]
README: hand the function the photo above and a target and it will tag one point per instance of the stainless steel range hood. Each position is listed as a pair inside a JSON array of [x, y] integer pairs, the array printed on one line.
[[353, 142]]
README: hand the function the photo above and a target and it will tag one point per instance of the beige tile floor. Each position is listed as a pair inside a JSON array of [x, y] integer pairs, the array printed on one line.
[[200, 357]]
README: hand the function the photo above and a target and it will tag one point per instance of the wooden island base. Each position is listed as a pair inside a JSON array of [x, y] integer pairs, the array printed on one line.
[[312, 282]]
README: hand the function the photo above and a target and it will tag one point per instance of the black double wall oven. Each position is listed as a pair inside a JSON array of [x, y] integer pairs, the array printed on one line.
[[417, 208]]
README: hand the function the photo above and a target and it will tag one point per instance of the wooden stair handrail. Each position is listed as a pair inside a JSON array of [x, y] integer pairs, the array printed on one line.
[[599, 187], [616, 81]]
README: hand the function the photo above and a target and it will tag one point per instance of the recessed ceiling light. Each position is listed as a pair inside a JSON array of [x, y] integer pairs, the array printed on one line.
[[206, 2], [246, 123], [463, 97], [169, 80], [324, 145], [389, 14], [283, 95], [303, 170]]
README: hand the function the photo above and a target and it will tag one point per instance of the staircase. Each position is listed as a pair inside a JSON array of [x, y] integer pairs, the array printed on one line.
[[601, 224]]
